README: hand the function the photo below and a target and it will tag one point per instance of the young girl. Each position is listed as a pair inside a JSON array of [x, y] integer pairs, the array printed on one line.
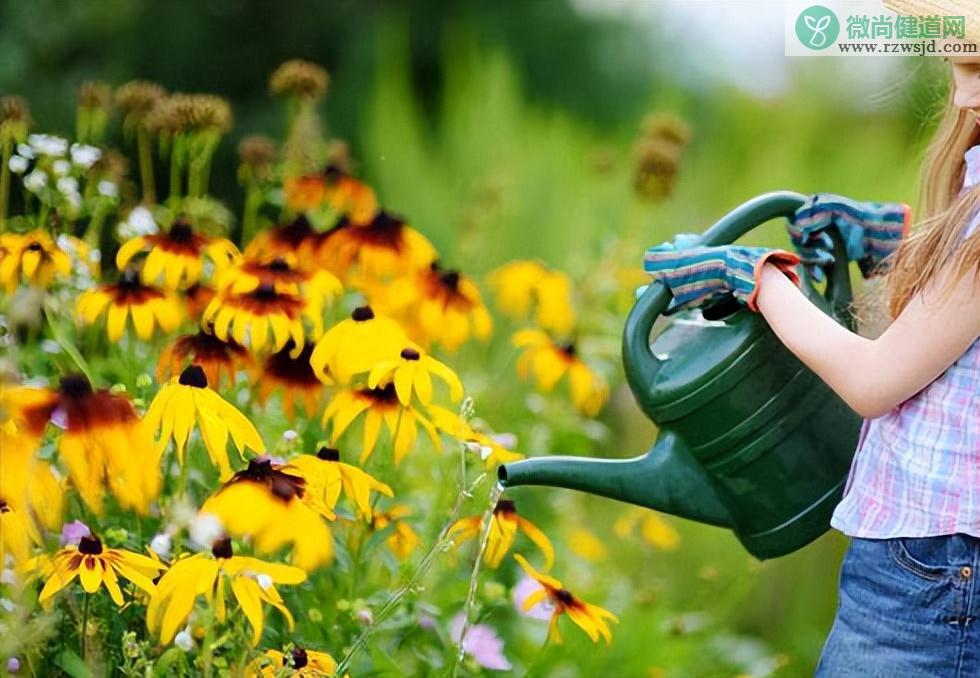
[[909, 590]]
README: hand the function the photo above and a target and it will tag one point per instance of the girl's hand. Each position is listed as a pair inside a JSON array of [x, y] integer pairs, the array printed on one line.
[[697, 276], [871, 231]]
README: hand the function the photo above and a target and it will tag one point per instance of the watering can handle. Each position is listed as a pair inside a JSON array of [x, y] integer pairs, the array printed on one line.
[[640, 363]]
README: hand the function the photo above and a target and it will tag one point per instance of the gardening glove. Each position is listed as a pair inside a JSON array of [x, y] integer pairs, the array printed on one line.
[[870, 230], [700, 276]]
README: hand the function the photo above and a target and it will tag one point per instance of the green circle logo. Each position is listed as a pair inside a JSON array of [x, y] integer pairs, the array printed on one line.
[[817, 27]]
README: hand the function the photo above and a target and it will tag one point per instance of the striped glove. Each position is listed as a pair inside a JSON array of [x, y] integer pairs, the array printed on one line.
[[870, 230], [701, 276]]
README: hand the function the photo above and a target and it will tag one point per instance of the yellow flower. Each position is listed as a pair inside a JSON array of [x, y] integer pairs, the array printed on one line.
[[326, 476], [356, 345], [450, 308], [186, 399], [296, 238], [586, 545], [379, 405], [177, 256], [29, 485], [298, 662], [519, 284], [34, 255], [332, 188], [267, 502], [252, 316], [196, 299], [252, 583], [588, 617], [147, 306], [403, 539], [412, 372], [382, 247], [283, 273], [548, 362], [503, 530], [488, 447], [654, 529], [216, 357], [102, 441], [293, 375], [95, 566], [18, 534]]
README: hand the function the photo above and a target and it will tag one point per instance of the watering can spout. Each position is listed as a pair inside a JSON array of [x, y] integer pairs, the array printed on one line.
[[666, 479]]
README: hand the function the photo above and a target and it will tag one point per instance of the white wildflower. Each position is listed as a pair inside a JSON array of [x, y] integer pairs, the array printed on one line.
[[60, 167], [139, 222], [184, 641], [18, 164], [85, 156], [67, 184], [26, 151], [205, 529], [108, 189], [161, 544], [290, 435], [46, 144], [35, 181], [51, 346]]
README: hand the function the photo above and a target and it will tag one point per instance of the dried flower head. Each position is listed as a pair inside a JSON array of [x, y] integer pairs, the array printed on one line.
[[299, 78], [668, 128], [338, 155], [15, 118], [657, 163], [95, 94], [257, 151], [137, 98], [191, 113]]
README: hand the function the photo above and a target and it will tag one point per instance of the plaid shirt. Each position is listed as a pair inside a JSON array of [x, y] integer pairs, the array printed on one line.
[[916, 472]]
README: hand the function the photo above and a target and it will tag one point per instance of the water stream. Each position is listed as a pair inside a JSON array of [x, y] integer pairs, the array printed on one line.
[[495, 492]]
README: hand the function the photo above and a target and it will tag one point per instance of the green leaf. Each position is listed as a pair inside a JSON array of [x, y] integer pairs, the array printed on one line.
[[166, 661], [72, 664]]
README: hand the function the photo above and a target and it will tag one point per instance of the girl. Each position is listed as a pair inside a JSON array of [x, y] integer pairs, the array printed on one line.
[[909, 590]]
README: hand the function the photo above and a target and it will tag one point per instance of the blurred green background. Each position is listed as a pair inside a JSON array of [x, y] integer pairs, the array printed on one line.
[[506, 130]]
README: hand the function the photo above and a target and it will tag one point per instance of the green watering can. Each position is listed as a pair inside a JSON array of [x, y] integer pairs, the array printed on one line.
[[750, 439]]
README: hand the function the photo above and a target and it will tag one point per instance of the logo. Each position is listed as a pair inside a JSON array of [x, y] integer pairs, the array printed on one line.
[[817, 27]]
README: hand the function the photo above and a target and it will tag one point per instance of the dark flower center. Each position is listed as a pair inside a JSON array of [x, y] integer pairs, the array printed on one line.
[[385, 394], [279, 265], [568, 349], [129, 281], [265, 292], [298, 656], [181, 231], [193, 375], [75, 386], [35, 247], [564, 596], [410, 354], [328, 454], [90, 546], [448, 278], [362, 313], [282, 485], [4, 507], [332, 173], [505, 506], [221, 548]]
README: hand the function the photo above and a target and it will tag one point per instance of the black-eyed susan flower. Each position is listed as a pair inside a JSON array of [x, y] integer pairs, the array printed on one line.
[[588, 617], [284, 273], [186, 399], [356, 345], [489, 449], [264, 316], [266, 503], [332, 188], [518, 285], [95, 566], [504, 525], [148, 307], [102, 441], [326, 476], [383, 247], [34, 256], [450, 308], [403, 539], [586, 545], [29, 485], [298, 661], [411, 373], [293, 376], [654, 528], [177, 257], [379, 406], [196, 298], [216, 357], [18, 534], [547, 362], [296, 238], [211, 574]]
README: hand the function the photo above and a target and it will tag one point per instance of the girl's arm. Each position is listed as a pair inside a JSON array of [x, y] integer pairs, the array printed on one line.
[[875, 375]]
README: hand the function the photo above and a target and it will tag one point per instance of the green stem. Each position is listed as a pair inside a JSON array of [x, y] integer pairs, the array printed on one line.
[[207, 657], [174, 170], [145, 151], [253, 200], [67, 346], [5, 153], [83, 629]]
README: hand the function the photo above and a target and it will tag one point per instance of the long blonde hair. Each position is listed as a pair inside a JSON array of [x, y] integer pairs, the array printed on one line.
[[944, 214]]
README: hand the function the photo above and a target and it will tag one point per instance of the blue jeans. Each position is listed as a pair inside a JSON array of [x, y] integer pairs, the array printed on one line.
[[908, 607]]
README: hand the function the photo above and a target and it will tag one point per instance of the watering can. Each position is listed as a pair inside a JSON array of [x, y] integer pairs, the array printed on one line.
[[749, 438]]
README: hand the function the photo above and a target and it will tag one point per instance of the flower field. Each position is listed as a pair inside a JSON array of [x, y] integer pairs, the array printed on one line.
[[260, 438]]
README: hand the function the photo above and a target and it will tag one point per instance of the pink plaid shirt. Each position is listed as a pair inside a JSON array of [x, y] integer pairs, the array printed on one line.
[[916, 472]]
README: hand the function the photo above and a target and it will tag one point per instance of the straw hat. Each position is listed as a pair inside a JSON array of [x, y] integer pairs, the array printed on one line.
[[965, 8]]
